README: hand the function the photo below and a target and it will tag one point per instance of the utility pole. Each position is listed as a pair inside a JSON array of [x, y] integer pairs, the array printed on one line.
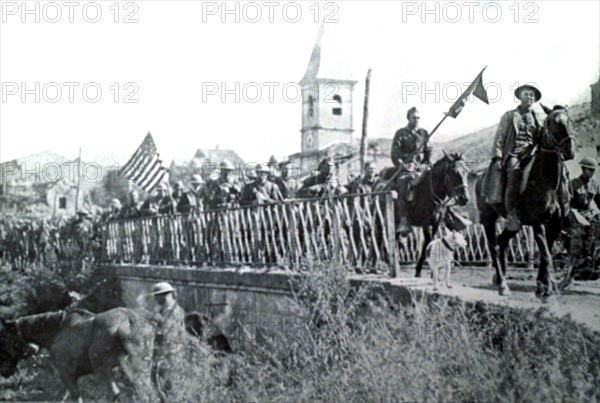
[[363, 138]]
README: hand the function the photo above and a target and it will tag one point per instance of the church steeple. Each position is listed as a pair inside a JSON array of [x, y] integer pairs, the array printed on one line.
[[327, 88]]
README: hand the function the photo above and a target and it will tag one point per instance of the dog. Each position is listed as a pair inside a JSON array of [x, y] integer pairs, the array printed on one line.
[[440, 255]]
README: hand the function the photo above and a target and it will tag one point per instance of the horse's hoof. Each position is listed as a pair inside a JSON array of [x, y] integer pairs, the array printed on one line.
[[504, 291], [418, 275]]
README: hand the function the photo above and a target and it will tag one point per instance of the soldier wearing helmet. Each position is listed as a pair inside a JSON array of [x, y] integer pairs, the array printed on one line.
[[160, 204], [288, 185], [192, 200], [184, 201], [585, 188], [325, 183], [113, 212], [132, 208], [273, 169], [261, 190], [170, 331], [224, 191], [366, 182]]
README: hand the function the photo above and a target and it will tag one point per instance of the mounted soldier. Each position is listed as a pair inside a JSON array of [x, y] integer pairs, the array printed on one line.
[[325, 183], [261, 190], [513, 148], [411, 156], [224, 191]]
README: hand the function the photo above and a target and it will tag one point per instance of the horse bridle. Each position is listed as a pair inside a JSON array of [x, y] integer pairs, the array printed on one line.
[[438, 201], [556, 146]]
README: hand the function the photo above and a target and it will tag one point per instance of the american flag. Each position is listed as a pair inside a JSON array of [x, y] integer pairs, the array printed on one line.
[[145, 167]]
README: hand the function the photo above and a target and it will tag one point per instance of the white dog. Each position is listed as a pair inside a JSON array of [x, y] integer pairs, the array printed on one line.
[[440, 254]]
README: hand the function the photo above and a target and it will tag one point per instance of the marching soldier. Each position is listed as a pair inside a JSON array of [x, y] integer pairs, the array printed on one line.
[[160, 204], [132, 208], [324, 184], [261, 190], [585, 189], [365, 184], [185, 201], [411, 156], [114, 211], [273, 168], [171, 330], [223, 192], [288, 186]]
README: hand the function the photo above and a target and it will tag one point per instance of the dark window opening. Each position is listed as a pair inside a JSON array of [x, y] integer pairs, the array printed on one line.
[[337, 110], [62, 202], [311, 106]]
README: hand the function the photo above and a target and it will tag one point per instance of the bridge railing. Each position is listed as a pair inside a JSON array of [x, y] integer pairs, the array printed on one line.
[[522, 249], [352, 230]]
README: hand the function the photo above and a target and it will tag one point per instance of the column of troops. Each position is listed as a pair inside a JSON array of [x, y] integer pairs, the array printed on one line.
[[259, 184]]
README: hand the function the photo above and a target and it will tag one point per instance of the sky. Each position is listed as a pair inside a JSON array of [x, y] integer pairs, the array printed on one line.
[[155, 62]]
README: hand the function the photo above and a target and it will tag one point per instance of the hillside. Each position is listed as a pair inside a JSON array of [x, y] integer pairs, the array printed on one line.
[[476, 146]]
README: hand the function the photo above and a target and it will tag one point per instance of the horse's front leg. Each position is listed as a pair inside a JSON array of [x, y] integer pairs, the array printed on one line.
[[545, 286], [426, 239]]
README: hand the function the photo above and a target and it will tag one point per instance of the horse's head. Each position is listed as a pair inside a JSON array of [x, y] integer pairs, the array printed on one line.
[[14, 348], [455, 172], [558, 132]]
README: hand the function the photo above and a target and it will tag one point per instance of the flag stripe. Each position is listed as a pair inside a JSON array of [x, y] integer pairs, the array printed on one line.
[[145, 167], [149, 173], [136, 154]]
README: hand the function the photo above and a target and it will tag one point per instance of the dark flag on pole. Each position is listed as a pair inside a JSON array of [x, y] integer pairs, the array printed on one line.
[[145, 167], [476, 88]]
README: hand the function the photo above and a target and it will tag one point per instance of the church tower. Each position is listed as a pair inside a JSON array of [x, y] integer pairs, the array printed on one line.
[[327, 88]]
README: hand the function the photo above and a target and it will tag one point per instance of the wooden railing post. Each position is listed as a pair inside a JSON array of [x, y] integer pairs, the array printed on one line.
[[391, 233]]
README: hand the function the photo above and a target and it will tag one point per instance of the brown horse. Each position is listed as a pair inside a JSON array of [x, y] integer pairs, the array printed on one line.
[[81, 343], [538, 205]]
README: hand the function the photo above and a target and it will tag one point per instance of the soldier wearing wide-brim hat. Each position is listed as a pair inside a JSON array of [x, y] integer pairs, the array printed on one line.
[[516, 138], [224, 191], [585, 188]]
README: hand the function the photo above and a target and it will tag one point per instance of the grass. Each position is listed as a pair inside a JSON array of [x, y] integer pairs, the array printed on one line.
[[359, 346]]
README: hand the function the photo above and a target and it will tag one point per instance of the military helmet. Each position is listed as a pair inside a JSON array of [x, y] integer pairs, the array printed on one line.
[[226, 165], [273, 161], [261, 168], [178, 185], [162, 288], [115, 203], [538, 94], [589, 162], [196, 179], [83, 212]]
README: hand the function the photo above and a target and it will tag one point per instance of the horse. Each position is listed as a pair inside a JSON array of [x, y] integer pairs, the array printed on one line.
[[537, 205], [445, 181], [81, 343]]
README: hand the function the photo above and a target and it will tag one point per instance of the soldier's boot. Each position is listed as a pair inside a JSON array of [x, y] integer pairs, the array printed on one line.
[[511, 198], [404, 228]]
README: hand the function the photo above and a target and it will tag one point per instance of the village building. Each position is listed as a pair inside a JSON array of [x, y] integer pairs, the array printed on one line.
[[327, 115]]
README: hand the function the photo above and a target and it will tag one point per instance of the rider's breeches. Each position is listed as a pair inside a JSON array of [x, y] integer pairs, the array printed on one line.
[[513, 182]]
